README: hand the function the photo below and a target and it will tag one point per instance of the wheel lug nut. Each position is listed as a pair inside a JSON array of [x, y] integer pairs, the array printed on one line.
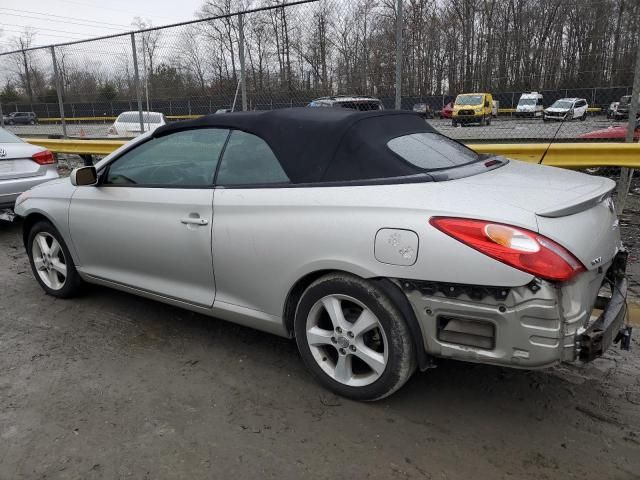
[[338, 329], [352, 348], [350, 334], [333, 339], [342, 351]]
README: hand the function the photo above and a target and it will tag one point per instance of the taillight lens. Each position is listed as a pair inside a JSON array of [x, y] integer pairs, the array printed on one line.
[[517, 247], [44, 158]]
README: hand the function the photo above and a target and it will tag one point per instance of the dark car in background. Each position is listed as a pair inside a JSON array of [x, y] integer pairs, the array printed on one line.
[[423, 110], [21, 118], [354, 102], [624, 105]]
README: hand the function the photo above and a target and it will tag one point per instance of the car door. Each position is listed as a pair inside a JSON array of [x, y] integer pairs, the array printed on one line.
[[579, 109], [147, 224], [247, 210]]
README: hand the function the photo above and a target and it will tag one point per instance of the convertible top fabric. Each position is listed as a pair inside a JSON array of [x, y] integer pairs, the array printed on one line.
[[323, 144]]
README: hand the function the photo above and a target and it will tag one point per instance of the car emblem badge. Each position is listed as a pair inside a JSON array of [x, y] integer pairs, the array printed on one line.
[[3, 153], [596, 261]]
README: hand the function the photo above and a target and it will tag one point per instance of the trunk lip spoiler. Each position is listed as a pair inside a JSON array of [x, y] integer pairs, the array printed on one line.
[[584, 202]]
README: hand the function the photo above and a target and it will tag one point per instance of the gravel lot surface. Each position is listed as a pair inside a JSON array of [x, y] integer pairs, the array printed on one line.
[[113, 386]]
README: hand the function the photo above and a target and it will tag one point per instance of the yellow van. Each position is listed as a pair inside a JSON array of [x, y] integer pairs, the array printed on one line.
[[472, 108]]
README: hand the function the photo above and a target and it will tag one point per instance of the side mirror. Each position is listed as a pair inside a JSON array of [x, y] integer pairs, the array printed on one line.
[[84, 176]]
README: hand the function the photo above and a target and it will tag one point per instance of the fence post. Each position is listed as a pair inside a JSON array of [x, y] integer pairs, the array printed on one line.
[[1, 116], [59, 91], [243, 80], [626, 174], [136, 80], [399, 55]]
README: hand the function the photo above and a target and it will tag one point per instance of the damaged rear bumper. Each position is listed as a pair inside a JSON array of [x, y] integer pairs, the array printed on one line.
[[531, 326]]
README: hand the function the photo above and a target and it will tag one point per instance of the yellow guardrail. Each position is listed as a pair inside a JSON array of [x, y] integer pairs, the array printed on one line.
[[567, 155]]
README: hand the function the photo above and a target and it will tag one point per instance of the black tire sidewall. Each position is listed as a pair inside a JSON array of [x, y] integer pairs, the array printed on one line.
[[73, 280], [393, 324]]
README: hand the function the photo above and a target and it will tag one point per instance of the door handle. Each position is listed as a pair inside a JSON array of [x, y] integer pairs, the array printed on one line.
[[194, 221]]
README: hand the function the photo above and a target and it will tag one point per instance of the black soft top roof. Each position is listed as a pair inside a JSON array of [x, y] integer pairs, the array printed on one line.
[[323, 144]]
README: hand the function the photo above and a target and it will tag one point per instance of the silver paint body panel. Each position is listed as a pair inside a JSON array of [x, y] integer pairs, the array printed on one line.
[[259, 242]]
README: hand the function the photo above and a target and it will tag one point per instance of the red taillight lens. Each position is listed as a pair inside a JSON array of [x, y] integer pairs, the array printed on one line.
[[43, 158], [517, 247]]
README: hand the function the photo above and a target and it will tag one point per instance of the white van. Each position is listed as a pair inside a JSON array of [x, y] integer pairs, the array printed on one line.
[[530, 105]]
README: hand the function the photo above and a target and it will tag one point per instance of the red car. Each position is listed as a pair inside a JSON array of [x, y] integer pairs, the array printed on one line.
[[618, 132], [447, 110]]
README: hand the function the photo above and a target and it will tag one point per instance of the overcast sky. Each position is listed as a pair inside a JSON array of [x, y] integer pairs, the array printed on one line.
[[57, 21]]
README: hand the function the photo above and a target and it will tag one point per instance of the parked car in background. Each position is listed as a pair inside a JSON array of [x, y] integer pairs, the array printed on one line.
[[617, 132], [21, 118], [612, 109], [128, 123], [566, 109], [472, 108], [373, 240], [22, 166], [624, 105], [353, 102], [530, 105], [447, 111], [423, 109]]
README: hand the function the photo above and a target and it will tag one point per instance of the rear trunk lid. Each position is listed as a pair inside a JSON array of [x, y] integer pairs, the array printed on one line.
[[17, 163], [571, 208]]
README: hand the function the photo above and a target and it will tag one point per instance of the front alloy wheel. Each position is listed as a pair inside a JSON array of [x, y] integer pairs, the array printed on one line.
[[353, 338], [49, 260]]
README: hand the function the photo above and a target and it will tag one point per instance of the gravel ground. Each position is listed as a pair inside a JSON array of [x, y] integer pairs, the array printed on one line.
[[113, 386]]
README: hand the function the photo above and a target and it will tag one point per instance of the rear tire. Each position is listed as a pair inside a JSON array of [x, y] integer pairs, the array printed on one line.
[[583, 117], [51, 262], [353, 338]]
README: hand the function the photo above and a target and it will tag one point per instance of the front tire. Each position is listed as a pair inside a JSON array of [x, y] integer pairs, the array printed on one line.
[[51, 262], [353, 339]]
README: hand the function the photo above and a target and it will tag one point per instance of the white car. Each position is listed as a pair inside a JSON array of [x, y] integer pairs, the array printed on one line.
[[128, 124], [567, 109], [530, 105]]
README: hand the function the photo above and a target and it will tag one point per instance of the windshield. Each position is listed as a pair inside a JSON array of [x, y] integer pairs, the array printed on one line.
[[431, 151], [8, 137], [562, 104], [134, 117], [527, 101], [469, 100]]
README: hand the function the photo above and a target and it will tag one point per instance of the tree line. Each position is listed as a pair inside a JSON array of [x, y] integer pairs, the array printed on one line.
[[345, 47]]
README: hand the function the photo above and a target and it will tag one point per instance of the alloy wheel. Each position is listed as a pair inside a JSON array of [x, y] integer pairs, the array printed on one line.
[[49, 260], [347, 340]]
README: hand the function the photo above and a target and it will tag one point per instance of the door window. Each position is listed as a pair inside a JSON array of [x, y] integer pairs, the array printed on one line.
[[248, 160], [182, 159]]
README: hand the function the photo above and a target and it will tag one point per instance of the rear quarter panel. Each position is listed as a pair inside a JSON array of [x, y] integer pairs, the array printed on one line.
[[265, 240]]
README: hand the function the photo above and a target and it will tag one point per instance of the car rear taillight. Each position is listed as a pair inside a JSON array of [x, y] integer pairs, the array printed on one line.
[[517, 247], [43, 158]]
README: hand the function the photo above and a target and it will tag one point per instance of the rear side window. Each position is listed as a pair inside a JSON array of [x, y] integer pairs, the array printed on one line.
[[431, 151], [248, 160], [181, 159]]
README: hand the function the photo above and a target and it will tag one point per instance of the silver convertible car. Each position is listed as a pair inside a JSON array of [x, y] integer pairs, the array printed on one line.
[[377, 243]]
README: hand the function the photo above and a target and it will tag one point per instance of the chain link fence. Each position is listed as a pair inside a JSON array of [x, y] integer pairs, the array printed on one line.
[[273, 55]]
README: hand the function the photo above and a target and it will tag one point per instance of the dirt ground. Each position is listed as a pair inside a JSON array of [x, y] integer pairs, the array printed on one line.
[[111, 386]]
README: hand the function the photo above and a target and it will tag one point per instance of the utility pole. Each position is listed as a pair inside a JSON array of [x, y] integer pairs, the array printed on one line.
[[27, 76], [56, 77], [243, 79], [626, 174], [136, 80], [399, 54]]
